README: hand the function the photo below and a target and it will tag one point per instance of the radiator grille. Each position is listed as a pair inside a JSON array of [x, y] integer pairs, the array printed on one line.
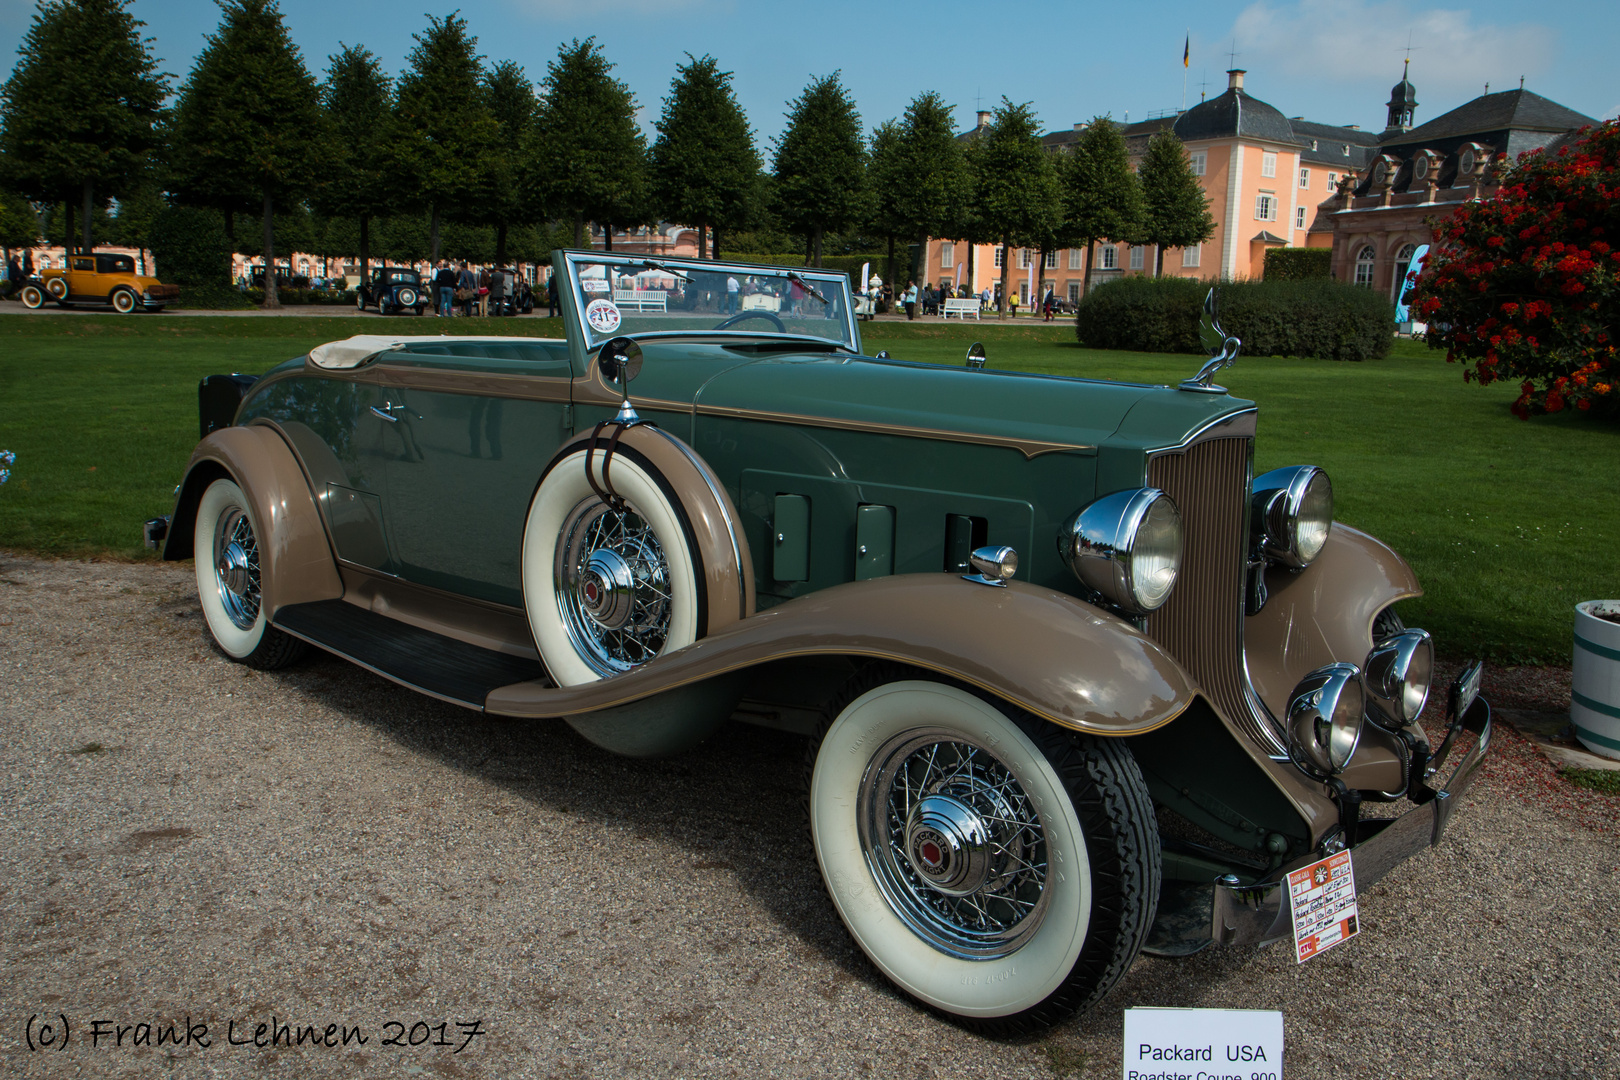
[[1201, 625]]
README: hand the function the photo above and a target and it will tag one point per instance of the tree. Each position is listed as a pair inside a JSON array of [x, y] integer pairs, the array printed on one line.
[[704, 165], [137, 212], [247, 128], [78, 114], [360, 180], [1102, 198], [820, 164], [19, 227], [446, 132], [513, 106], [1015, 189], [917, 175], [588, 160], [1175, 208], [1526, 284]]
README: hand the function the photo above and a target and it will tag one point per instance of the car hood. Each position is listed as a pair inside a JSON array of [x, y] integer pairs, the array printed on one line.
[[1038, 413]]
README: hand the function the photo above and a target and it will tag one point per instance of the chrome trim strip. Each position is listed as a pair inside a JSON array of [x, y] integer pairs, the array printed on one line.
[[1202, 433], [1030, 448]]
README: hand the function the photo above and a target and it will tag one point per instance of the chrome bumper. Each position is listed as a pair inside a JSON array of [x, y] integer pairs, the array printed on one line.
[[1261, 913]]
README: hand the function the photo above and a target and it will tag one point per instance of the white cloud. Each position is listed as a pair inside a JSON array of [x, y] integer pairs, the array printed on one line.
[[1357, 41]]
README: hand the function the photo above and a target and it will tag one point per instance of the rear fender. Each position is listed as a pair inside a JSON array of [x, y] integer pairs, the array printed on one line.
[[1036, 648], [297, 557]]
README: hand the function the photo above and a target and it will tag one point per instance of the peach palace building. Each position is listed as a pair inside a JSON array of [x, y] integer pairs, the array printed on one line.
[[1276, 181]]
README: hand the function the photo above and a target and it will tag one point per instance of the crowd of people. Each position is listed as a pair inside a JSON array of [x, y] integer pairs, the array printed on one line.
[[930, 300]]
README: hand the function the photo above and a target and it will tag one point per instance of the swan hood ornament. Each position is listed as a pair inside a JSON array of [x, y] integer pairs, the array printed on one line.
[[1223, 350]]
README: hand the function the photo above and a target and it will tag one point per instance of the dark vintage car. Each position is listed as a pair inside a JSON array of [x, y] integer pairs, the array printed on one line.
[[393, 290], [511, 295], [99, 279], [1077, 684]]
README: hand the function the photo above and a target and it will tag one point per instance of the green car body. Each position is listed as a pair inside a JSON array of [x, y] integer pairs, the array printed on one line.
[[788, 533]]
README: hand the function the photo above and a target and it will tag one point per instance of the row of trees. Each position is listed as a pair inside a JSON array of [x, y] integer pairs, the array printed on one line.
[[86, 120]]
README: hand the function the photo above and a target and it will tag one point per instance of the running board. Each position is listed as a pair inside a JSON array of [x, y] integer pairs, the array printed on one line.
[[443, 667]]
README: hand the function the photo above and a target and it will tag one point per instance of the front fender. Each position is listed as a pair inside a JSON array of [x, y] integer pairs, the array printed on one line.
[[296, 558], [1322, 614], [1038, 649]]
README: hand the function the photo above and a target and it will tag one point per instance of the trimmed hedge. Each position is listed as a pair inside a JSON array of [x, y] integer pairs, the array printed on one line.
[[313, 297], [1315, 318], [1299, 264]]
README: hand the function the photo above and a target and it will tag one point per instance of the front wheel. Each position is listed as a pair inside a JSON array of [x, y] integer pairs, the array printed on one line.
[[33, 297], [359, 300], [230, 581], [995, 867], [124, 301]]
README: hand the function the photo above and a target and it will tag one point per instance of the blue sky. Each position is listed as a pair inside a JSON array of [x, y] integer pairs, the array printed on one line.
[[1331, 61]]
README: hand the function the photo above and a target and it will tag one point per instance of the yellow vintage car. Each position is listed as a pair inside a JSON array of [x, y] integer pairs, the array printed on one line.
[[99, 278]]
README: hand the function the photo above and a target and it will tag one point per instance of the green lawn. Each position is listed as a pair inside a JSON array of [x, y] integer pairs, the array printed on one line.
[[1508, 524]]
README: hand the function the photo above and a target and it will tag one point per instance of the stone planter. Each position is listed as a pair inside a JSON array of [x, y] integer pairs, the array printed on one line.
[[1595, 703]]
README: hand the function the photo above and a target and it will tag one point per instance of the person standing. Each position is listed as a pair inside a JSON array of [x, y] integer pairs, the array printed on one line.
[[1049, 305], [467, 288], [909, 298], [445, 283], [551, 294], [732, 290]]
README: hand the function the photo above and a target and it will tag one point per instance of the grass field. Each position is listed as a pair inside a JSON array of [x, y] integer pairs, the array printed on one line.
[[1508, 524]]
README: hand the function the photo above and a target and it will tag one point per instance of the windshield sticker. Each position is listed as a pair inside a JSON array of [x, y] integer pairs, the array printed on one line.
[[602, 316], [593, 284]]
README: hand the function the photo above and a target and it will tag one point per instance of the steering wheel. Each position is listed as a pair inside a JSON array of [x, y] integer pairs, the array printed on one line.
[[726, 324]]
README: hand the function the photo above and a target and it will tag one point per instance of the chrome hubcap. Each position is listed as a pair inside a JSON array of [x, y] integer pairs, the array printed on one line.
[[236, 568], [612, 582], [954, 844]]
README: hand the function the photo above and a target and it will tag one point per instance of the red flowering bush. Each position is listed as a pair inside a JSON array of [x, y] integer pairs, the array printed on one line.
[[1525, 285]]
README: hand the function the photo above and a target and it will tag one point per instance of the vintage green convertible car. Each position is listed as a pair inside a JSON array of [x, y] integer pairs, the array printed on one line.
[[1078, 683]]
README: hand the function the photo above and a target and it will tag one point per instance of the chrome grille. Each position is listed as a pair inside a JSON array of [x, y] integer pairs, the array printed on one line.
[[1201, 625]]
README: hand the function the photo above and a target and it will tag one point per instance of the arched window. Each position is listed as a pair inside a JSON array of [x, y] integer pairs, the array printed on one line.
[[1365, 258]]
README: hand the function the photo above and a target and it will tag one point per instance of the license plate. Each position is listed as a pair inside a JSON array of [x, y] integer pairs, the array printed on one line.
[[1323, 898]]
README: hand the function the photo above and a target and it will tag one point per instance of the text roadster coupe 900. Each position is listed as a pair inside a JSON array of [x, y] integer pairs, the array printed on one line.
[[1078, 683]]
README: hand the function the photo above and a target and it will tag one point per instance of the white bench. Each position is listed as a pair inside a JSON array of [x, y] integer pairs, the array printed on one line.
[[643, 299], [962, 306]]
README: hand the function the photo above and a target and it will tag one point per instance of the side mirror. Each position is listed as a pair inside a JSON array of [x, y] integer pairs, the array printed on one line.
[[620, 361], [975, 355]]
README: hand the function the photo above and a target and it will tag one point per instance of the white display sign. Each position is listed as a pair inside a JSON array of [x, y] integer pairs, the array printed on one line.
[[1323, 897], [1203, 1044]]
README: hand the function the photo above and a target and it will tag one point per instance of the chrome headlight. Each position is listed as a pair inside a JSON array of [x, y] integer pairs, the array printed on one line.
[[1126, 548], [1325, 714], [1398, 672], [1293, 514]]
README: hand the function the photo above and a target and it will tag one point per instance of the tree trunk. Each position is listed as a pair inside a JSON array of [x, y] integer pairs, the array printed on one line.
[[921, 261], [972, 282], [579, 230], [817, 263], [67, 228], [271, 300], [500, 244], [717, 242], [607, 236], [1006, 276], [888, 267], [1036, 301], [89, 202], [703, 239], [433, 236], [365, 248], [1158, 260], [1091, 251]]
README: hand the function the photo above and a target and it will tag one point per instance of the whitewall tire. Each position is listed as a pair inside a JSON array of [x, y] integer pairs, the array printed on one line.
[[230, 581], [996, 868], [607, 591]]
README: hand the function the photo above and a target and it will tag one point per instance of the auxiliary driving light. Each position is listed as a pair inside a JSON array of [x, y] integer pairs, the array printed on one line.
[[1397, 676], [1292, 514], [1325, 715]]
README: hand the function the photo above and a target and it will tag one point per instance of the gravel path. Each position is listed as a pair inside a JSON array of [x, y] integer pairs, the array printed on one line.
[[185, 837]]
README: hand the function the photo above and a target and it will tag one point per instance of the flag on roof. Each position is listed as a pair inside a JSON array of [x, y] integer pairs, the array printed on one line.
[[1186, 51]]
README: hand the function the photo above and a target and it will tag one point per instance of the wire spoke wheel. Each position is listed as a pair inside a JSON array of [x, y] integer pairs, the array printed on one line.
[[954, 844], [613, 587], [236, 568]]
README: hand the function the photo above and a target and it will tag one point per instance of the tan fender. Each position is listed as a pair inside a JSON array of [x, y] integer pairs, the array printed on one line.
[[728, 566], [1039, 649], [293, 547], [1323, 613]]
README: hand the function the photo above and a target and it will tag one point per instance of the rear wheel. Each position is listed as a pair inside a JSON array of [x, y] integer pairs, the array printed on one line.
[[995, 867], [230, 581], [57, 287]]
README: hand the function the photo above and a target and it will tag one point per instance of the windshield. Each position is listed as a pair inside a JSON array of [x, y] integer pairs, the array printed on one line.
[[632, 294]]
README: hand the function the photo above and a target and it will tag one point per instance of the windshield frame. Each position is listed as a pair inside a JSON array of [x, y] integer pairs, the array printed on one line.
[[824, 279]]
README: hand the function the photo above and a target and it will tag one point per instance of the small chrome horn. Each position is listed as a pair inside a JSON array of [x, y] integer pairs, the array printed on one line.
[[620, 361]]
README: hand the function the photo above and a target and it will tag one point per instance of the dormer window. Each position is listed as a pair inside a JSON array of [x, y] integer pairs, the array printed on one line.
[[1346, 149], [1313, 144]]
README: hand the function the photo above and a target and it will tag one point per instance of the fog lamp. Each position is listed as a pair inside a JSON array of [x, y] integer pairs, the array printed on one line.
[[1397, 675], [1325, 715]]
